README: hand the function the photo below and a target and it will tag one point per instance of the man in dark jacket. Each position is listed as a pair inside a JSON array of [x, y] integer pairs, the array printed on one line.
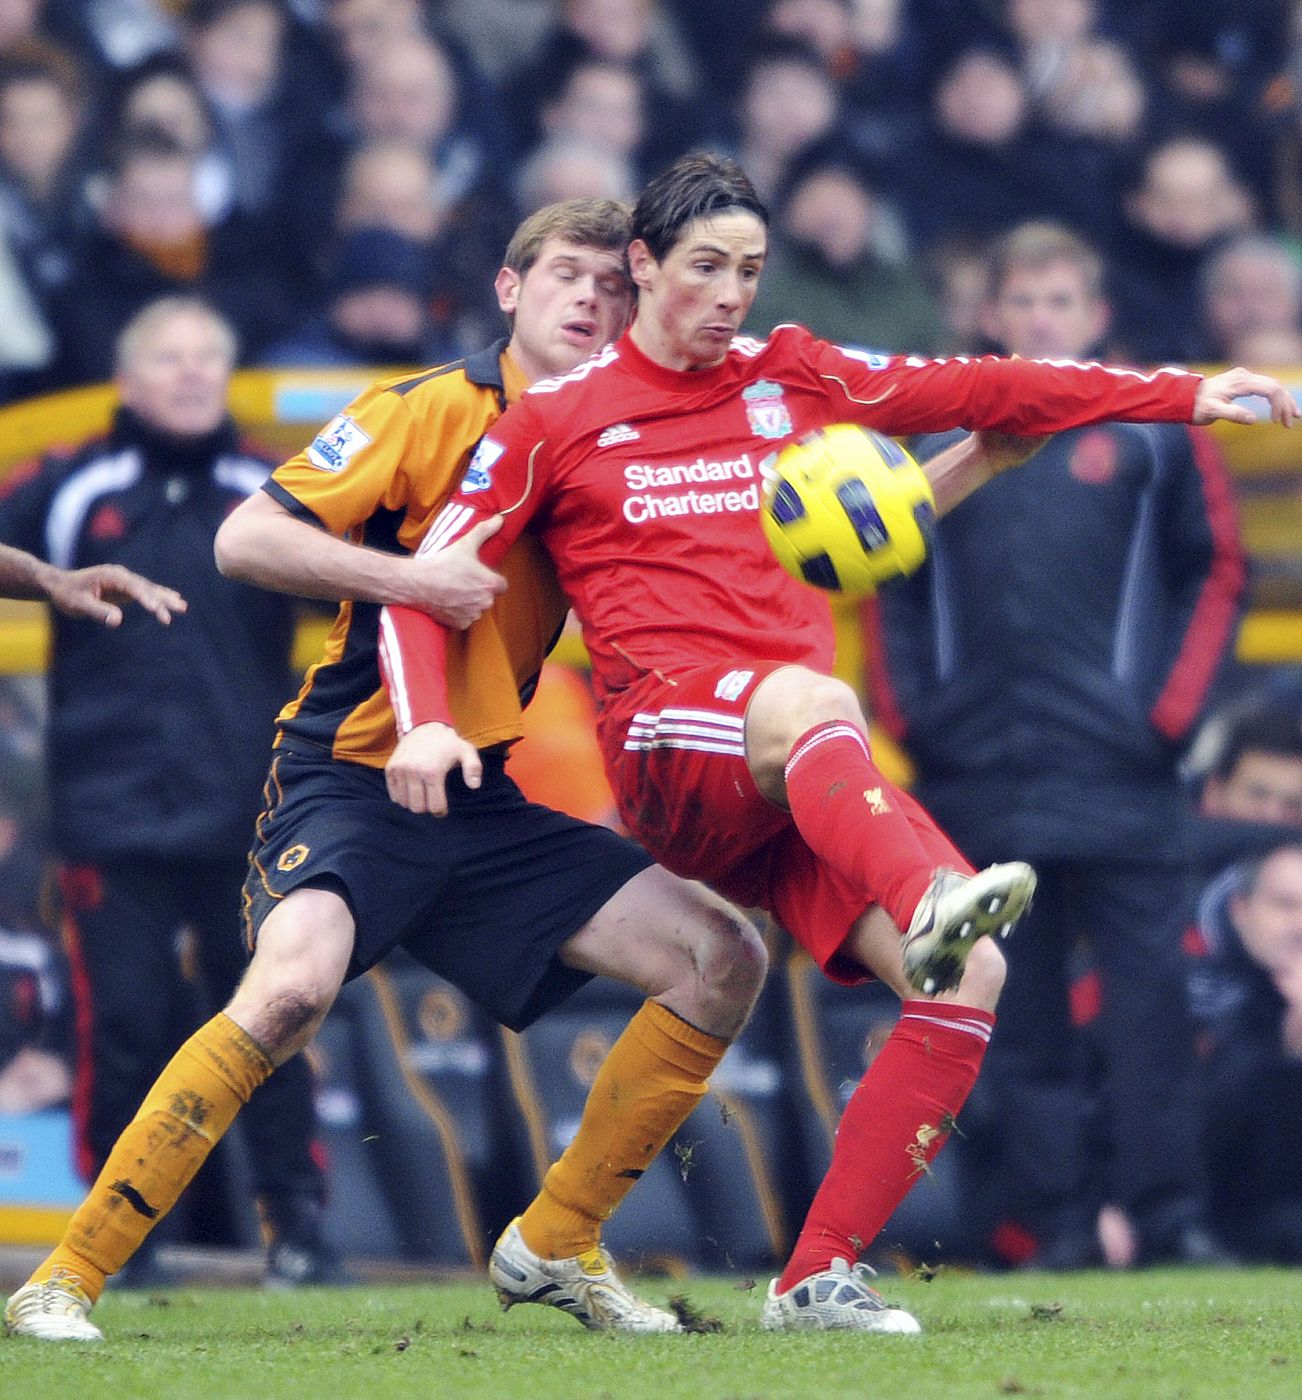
[[1044, 670], [1247, 997], [155, 743]]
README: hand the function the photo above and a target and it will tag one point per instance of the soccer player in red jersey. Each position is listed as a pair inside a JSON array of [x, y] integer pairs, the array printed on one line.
[[735, 757]]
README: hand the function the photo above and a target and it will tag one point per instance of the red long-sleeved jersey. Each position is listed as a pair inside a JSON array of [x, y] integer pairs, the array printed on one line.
[[643, 483]]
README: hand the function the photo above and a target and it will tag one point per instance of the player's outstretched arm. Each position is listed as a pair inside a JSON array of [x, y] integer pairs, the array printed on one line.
[[261, 543], [1215, 399], [97, 592], [417, 770]]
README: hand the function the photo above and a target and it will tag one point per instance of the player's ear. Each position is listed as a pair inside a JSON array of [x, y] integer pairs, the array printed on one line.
[[507, 285], [641, 263]]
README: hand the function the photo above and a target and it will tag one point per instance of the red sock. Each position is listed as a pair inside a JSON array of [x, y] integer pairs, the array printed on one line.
[[851, 818], [895, 1123], [939, 848]]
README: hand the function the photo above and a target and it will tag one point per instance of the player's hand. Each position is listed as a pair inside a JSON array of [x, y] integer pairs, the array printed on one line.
[[453, 586], [1001, 452], [1216, 396], [417, 769], [99, 591]]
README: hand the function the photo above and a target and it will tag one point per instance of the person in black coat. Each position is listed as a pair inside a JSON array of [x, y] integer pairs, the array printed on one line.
[[1045, 669], [155, 745]]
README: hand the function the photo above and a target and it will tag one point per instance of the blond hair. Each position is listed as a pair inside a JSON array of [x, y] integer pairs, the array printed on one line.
[[1037, 246], [138, 329], [591, 223]]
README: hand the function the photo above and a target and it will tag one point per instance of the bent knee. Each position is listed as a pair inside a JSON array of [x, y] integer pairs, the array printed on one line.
[[732, 956]]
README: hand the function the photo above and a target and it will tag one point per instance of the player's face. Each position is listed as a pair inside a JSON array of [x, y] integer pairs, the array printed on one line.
[[1045, 313], [692, 302], [177, 376], [571, 302]]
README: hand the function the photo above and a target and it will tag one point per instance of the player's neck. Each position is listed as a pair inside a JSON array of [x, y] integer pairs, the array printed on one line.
[[662, 351]]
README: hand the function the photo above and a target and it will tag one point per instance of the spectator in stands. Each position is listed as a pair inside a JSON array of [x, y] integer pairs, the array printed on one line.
[[155, 772], [1187, 200], [787, 104], [1257, 773], [1251, 292], [149, 241], [163, 94], [238, 49], [975, 170], [1044, 690], [955, 269], [41, 116], [388, 183], [602, 104], [866, 46], [562, 168], [1247, 998], [838, 265], [638, 34], [377, 310]]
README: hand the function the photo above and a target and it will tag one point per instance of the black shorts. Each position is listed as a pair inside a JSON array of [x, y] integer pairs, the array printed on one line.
[[484, 896]]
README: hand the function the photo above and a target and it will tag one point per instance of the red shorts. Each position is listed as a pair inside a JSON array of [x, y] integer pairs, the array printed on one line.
[[676, 756]]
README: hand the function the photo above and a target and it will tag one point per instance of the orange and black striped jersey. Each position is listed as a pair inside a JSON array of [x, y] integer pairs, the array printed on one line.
[[377, 475]]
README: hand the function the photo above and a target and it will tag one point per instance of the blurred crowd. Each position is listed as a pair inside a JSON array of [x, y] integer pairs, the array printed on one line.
[[339, 176]]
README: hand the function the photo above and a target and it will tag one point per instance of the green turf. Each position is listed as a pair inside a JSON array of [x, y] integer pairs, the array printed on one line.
[[1154, 1335]]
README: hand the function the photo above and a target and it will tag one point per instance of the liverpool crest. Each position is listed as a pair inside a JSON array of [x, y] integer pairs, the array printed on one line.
[[766, 411]]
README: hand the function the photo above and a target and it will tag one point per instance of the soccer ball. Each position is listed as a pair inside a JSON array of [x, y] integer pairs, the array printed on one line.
[[845, 509]]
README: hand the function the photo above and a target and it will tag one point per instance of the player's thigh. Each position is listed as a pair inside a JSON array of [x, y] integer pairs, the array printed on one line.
[[657, 930], [787, 703]]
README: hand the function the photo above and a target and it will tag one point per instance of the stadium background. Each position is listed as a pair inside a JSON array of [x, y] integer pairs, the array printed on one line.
[[437, 1125]]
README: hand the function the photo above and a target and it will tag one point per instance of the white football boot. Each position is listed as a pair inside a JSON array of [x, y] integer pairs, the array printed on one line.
[[954, 912], [55, 1311], [837, 1299], [585, 1286]]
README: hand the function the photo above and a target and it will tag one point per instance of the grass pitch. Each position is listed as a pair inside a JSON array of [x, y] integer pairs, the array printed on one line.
[[1156, 1335]]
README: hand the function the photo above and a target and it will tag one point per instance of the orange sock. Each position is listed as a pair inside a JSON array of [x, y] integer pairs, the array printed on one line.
[[184, 1115], [652, 1079]]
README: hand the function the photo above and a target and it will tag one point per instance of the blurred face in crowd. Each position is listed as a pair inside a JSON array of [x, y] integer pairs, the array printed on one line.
[[1098, 93], [38, 124], [823, 24], [1268, 917], [692, 302], [407, 91], [831, 211], [379, 316], [361, 28], [176, 372], [1056, 22], [1188, 197], [18, 19], [152, 201], [390, 184], [237, 56], [875, 25], [600, 104], [171, 104], [573, 300], [616, 29], [1046, 312], [981, 100], [564, 168], [1261, 787], [1253, 290], [787, 105]]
